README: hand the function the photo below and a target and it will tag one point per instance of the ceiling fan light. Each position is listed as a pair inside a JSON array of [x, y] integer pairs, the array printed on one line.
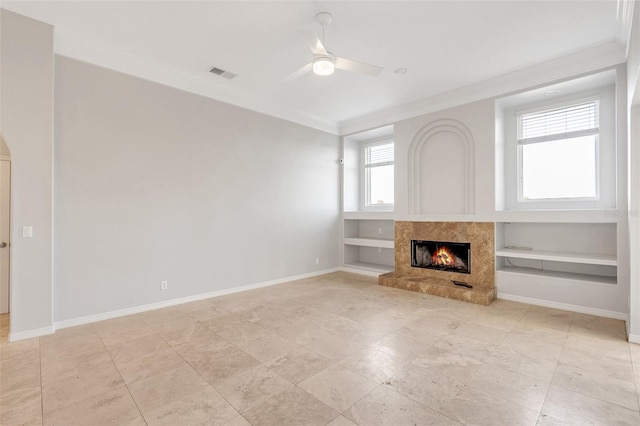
[[323, 65]]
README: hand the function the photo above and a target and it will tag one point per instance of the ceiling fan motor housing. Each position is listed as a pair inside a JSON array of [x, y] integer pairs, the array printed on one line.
[[324, 64]]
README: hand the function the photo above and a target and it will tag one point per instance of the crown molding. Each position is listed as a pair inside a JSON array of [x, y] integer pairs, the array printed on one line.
[[624, 15], [73, 45], [598, 58]]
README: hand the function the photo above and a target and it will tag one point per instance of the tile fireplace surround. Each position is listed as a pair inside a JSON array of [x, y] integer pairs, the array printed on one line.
[[481, 236]]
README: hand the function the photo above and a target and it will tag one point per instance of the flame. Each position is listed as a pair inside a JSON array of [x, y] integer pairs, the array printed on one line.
[[443, 256]]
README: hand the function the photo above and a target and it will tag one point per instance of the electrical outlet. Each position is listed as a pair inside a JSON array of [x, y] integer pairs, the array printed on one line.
[[379, 249], [379, 230], [164, 285], [317, 260]]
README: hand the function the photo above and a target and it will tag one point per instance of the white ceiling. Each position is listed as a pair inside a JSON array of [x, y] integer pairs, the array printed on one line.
[[445, 45]]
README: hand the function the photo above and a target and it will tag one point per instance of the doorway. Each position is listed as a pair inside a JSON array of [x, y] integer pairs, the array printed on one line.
[[5, 240], [5, 209]]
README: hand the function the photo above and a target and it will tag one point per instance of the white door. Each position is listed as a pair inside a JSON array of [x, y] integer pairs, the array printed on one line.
[[5, 200]]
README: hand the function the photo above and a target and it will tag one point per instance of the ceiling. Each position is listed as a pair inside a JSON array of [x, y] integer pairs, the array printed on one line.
[[445, 45]]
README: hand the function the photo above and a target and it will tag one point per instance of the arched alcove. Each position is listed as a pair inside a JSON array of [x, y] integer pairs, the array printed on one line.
[[442, 169]]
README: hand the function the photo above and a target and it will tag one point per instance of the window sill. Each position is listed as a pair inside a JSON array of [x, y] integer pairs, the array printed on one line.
[[381, 215], [557, 215]]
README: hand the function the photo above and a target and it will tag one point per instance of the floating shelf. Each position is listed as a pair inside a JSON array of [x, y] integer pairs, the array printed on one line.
[[557, 256], [598, 279], [369, 242]]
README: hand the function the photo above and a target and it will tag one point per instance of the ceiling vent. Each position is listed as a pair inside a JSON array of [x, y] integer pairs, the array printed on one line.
[[222, 73]]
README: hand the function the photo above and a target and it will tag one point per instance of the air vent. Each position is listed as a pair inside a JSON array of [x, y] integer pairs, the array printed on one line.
[[222, 73]]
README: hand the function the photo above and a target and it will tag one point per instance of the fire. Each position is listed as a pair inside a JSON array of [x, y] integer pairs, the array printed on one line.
[[443, 256]]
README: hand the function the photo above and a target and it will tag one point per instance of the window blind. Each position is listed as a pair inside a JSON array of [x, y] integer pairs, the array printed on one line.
[[379, 155], [572, 120]]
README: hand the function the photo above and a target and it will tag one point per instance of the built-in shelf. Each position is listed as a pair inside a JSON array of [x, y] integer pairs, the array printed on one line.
[[538, 260], [560, 275], [369, 242], [370, 267], [557, 256]]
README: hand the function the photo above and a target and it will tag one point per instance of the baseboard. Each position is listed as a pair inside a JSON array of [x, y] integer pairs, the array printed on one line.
[[29, 334], [634, 338], [564, 306], [166, 303]]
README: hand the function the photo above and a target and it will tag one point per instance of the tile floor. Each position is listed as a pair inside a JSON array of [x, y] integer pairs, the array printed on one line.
[[332, 350]]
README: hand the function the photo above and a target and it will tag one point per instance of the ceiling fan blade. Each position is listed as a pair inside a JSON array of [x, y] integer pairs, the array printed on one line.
[[300, 72], [359, 67], [316, 46]]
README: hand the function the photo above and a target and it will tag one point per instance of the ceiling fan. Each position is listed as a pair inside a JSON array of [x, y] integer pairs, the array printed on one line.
[[324, 62]]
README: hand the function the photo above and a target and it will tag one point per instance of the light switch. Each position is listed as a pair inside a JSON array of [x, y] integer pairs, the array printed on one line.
[[27, 232]]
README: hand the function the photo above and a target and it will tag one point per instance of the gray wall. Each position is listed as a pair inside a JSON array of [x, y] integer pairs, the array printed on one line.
[[152, 183], [26, 125]]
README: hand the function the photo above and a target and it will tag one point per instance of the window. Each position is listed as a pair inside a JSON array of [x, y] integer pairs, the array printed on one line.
[[557, 147], [378, 174], [558, 152]]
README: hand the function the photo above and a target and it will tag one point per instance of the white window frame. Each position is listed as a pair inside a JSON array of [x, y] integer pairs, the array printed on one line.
[[366, 187], [558, 137]]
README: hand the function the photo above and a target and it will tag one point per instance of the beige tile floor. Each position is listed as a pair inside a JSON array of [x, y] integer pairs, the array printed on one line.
[[336, 350]]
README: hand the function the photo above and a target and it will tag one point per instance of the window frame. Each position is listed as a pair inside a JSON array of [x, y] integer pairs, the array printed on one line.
[[519, 142], [365, 169]]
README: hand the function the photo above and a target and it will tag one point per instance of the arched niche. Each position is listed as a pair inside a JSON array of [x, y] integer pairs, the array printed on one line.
[[442, 169]]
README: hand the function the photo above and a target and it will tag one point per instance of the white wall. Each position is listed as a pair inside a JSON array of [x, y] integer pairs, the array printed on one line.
[[633, 93], [351, 199], [26, 125], [152, 183], [500, 148]]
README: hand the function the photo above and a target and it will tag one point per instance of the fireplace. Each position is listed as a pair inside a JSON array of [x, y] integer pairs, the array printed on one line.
[[441, 256], [467, 275]]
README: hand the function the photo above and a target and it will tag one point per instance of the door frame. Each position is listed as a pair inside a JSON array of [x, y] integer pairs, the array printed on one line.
[[7, 159]]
